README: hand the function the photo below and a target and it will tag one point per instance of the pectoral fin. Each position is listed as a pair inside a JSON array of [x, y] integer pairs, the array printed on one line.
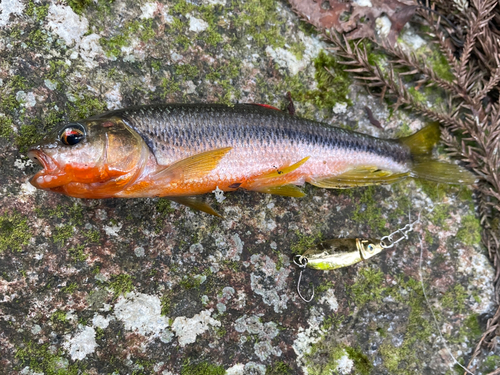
[[193, 166], [361, 176], [285, 170], [284, 190], [196, 204]]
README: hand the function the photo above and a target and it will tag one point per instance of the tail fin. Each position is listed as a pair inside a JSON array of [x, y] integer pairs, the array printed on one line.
[[425, 167]]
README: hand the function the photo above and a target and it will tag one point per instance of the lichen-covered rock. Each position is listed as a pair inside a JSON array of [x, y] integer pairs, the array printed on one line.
[[147, 286]]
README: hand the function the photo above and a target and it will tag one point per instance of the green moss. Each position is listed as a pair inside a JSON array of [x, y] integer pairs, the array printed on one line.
[[261, 20], [304, 242], [92, 235], [407, 291], [36, 11], [417, 95], [434, 191], [324, 287], [58, 316], [324, 357], [8, 101], [222, 77], [72, 213], [187, 71], [85, 105], [192, 282], [79, 6], [440, 214], [403, 358], [156, 65], [332, 322], [28, 136], [112, 46], [279, 368], [6, 130], [18, 83], [419, 325], [169, 87], [454, 298], [377, 58], [469, 331], [392, 357], [143, 29], [204, 368], [41, 358], [440, 66], [182, 7], [298, 50], [332, 83], [491, 363], [70, 289], [37, 38], [58, 70], [368, 286], [63, 233], [121, 285], [403, 130], [361, 361], [77, 253], [213, 37], [368, 210], [166, 304], [14, 232], [183, 41], [470, 232], [472, 324]]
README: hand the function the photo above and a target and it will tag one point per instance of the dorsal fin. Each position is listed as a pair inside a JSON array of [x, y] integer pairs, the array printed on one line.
[[265, 106]]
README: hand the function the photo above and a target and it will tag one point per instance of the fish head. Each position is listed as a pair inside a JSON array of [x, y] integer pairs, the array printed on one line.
[[91, 158]]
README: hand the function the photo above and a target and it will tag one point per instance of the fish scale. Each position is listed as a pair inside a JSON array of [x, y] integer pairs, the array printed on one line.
[[201, 127]]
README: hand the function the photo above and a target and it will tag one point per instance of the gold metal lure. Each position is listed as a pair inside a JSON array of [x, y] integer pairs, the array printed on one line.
[[343, 252], [338, 253]]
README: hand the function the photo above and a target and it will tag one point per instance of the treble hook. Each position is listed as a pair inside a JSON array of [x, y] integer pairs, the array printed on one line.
[[301, 262]]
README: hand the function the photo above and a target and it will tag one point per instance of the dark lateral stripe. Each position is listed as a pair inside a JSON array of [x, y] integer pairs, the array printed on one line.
[[189, 125]]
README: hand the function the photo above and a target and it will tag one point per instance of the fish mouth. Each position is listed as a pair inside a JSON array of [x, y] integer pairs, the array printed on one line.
[[40, 158], [49, 176]]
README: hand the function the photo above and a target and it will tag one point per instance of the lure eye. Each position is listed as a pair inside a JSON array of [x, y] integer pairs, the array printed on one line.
[[72, 134]]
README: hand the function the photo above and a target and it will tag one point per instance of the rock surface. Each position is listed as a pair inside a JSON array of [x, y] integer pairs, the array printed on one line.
[[146, 286]]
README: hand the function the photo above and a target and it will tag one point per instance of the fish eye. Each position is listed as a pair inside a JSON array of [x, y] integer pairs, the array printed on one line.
[[72, 134]]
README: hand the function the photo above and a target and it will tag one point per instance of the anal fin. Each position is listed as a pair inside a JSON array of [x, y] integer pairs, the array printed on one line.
[[361, 176], [284, 190], [196, 204]]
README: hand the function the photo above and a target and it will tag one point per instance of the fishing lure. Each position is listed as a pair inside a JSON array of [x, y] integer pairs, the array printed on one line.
[[344, 252]]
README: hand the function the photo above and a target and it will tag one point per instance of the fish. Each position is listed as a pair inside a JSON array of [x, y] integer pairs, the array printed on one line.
[[181, 151]]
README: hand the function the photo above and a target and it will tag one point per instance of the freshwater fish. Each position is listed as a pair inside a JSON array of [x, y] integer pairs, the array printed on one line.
[[179, 151]]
